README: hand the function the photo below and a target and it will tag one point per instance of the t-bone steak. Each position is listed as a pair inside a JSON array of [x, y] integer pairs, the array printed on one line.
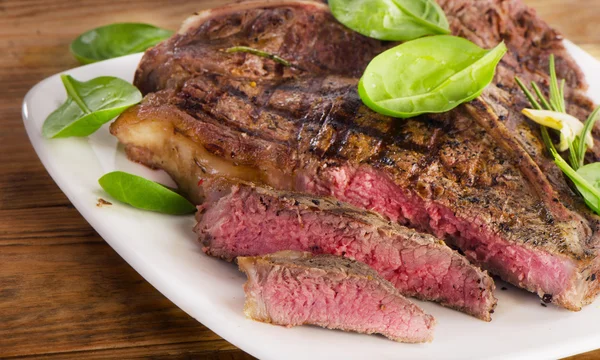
[[477, 177]]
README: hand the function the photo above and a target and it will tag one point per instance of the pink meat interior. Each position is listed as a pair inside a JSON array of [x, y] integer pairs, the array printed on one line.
[[242, 225], [535, 270], [352, 303]]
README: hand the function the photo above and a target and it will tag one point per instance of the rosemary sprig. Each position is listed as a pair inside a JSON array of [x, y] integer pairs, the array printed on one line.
[[577, 171], [536, 105], [557, 99], [529, 95], [538, 92], [260, 53]]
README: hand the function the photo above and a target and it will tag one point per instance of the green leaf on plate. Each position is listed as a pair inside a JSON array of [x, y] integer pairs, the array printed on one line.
[[145, 194], [591, 189], [397, 20], [433, 74], [116, 40], [89, 105]]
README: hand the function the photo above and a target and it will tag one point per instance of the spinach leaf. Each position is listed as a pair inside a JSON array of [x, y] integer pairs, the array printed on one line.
[[145, 194], [428, 75], [397, 20], [89, 105], [586, 179], [116, 40], [590, 191]]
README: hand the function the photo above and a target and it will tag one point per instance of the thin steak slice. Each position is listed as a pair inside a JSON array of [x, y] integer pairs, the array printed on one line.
[[250, 221], [293, 288], [477, 176]]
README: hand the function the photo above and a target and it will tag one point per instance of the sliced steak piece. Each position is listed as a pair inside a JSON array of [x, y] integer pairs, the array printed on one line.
[[250, 221], [476, 176], [293, 288]]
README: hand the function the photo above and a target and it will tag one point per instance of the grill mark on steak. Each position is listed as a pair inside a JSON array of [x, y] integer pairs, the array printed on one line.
[[245, 220], [481, 111], [468, 189], [244, 105], [295, 30]]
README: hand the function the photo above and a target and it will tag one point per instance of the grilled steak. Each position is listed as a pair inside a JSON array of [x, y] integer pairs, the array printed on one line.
[[252, 221], [294, 288], [476, 176]]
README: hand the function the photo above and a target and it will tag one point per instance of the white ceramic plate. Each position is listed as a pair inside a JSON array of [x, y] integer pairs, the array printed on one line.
[[164, 251]]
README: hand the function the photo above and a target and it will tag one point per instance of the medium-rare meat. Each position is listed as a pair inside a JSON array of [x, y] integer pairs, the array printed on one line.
[[293, 288], [476, 176], [249, 221]]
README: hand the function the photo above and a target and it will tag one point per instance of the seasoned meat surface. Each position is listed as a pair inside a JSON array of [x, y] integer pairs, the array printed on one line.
[[477, 176]]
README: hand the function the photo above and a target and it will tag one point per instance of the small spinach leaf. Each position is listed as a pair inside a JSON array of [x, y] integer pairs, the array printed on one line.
[[397, 20], [116, 40], [89, 105], [586, 179], [145, 194], [426, 12], [428, 75], [591, 192]]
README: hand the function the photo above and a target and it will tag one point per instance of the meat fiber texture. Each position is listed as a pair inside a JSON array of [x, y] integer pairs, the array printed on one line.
[[477, 176], [295, 288], [251, 221]]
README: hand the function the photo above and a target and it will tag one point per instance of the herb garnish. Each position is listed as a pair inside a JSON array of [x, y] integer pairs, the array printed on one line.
[[145, 194], [396, 20], [429, 75], [116, 40], [89, 105], [585, 177], [260, 53]]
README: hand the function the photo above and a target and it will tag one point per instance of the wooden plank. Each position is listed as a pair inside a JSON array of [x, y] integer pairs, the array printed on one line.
[[62, 289], [44, 226], [81, 297], [207, 350], [576, 19], [592, 355], [24, 187]]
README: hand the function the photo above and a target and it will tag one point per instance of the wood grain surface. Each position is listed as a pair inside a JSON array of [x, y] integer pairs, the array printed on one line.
[[64, 293]]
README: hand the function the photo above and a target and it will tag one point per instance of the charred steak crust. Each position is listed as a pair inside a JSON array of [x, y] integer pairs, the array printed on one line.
[[455, 175], [245, 220], [300, 31], [294, 288]]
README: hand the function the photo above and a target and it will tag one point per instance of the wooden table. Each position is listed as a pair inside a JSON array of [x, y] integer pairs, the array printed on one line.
[[64, 292]]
